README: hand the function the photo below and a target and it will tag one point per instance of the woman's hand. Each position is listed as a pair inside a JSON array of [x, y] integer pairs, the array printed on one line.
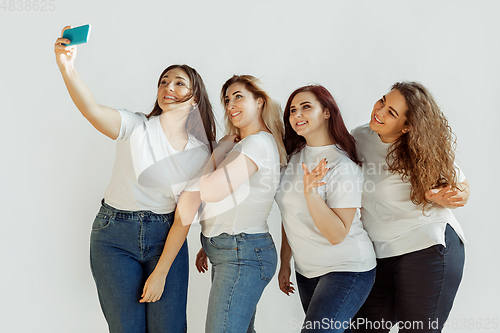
[[201, 262], [312, 179], [444, 196], [65, 55], [153, 288], [227, 143], [284, 279]]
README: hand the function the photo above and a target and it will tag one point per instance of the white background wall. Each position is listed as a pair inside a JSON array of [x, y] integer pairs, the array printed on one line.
[[54, 166]]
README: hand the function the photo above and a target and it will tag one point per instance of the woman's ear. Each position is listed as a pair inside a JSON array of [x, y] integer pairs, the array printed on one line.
[[406, 129], [327, 113], [260, 102]]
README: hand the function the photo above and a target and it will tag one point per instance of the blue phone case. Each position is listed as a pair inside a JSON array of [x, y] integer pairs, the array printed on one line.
[[78, 35]]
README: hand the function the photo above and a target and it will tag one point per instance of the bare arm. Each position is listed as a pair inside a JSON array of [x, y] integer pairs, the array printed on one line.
[[184, 214], [106, 120], [333, 223], [222, 176], [285, 269]]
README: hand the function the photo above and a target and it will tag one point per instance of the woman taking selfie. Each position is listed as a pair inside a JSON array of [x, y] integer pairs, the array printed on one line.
[[411, 185], [322, 230], [141, 276], [238, 187]]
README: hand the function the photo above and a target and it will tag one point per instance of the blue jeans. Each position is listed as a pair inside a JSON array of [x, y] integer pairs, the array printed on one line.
[[242, 266], [124, 249], [415, 290], [330, 301]]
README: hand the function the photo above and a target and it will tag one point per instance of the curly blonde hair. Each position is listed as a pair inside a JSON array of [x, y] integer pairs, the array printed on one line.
[[271, 110], [425, 155]]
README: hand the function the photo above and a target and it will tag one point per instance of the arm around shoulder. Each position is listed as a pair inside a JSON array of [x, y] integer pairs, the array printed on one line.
[[224, 174]]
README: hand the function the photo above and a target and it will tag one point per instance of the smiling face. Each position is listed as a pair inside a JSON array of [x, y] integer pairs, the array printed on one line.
[[307, 116], [388, 117], [242, 108], [174, 87]]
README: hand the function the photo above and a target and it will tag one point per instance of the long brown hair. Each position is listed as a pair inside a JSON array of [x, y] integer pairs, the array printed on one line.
[[271, 110], [336, 127], [200, 122], [425, 155]]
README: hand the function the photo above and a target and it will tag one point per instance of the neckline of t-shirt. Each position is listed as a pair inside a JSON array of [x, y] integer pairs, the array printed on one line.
[[256, 134], [334, 145], [375, 134], [186, 147]]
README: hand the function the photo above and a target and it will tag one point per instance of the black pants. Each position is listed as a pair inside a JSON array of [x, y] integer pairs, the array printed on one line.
[[415, 290]]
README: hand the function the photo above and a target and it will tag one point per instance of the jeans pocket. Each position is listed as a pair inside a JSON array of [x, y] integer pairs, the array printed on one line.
[[440, 249], [268, 260], [168, 219], [223, 243], [101, 221]]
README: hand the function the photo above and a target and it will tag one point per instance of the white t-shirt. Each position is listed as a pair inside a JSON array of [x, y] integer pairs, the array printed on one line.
[[313, 254], [247, 208], [149, 174], [394, 223]]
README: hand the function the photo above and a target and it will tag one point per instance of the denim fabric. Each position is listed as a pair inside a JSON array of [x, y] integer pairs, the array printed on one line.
[[242, 266], [415, 290], [124, 249], [330, 301]]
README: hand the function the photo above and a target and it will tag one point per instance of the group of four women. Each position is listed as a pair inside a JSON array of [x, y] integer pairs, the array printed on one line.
[[402, 261]]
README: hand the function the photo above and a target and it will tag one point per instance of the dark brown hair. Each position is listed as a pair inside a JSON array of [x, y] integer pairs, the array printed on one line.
[[203, 130], [336, 127]]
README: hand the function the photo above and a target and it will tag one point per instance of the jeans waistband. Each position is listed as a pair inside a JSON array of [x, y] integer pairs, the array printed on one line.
[[105, 208], [244, 235]]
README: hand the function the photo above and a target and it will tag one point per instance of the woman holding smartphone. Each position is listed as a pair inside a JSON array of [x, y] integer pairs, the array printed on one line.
[[411, 185], [238, 187], [138, 253], [322, 230]]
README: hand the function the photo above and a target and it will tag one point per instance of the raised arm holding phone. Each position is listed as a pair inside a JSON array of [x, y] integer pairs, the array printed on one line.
[[138, 252]]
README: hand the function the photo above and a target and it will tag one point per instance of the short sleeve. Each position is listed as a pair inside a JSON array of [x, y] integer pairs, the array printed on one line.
[[344, 186], [460, 174], [255, 148], [129, 122]]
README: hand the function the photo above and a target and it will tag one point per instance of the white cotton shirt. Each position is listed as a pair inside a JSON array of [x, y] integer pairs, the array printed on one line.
[[247, 208], [149, 174], [313, 254], [394, 223]]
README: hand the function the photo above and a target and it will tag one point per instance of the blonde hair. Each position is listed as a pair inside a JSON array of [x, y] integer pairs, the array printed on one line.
[[271, 110]]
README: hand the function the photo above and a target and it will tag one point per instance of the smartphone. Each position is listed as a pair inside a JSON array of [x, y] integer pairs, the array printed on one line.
[[78, 35]]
